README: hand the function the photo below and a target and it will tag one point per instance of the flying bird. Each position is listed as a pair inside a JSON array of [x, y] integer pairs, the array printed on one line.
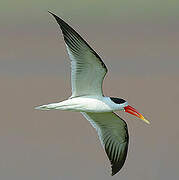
[[87, 74]]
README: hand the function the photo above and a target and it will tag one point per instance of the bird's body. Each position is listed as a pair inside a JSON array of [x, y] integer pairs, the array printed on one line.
[[96, 104], [87, 74]]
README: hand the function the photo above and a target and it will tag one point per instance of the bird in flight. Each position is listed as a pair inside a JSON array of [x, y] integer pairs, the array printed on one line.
[[87, 74]]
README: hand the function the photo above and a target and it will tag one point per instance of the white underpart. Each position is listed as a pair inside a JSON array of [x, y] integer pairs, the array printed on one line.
[[86, 104]]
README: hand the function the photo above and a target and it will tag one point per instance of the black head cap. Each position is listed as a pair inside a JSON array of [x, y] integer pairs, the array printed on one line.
[[117, 100]]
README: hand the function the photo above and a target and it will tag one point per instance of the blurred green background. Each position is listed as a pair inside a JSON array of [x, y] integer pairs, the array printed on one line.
[[138, 41]]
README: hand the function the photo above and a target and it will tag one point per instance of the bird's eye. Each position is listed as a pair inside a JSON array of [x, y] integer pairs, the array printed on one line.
[[117, 100]]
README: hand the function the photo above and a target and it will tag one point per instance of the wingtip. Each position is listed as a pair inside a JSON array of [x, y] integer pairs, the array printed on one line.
[[114, 171], [54, 15], [50, 12], [116, 166], [59, 20]]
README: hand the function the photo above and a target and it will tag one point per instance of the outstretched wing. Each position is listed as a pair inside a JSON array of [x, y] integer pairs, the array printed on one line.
[[87, 68], [113, 133]]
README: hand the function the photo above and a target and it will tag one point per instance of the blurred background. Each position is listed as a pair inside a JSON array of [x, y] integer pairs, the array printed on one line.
[[138, 41]]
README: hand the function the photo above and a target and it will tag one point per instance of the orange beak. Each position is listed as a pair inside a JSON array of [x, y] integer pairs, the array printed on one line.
[[134, 112]]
